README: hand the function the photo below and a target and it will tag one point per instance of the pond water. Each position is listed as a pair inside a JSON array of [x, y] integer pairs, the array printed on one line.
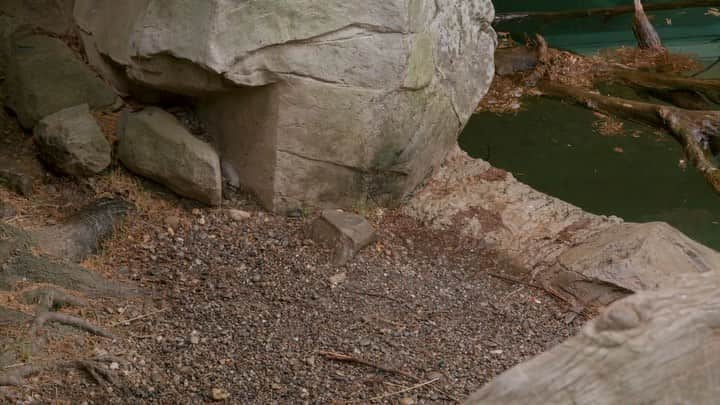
[[553, 147], [637, 175]]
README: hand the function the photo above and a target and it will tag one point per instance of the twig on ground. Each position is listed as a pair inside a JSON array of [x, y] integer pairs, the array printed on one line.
[[351, 359], [414, 387], [127, 321]]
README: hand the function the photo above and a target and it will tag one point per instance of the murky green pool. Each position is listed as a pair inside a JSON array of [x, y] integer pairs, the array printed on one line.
[[552, 147]]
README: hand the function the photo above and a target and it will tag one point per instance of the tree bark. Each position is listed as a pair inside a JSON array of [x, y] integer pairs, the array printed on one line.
[[696, 131], [644, 31], [652, 347]]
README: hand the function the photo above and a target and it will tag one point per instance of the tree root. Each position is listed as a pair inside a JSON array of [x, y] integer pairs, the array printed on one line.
[[51, 298], [65, 319], [94, 367]]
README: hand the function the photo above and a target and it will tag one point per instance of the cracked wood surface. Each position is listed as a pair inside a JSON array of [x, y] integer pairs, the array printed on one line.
[[660, 347]]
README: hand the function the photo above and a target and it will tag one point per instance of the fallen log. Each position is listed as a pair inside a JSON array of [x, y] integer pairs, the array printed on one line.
[[652, 347], [696, 131], [707, 90]]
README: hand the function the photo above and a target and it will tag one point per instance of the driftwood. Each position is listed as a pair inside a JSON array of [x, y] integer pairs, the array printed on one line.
[[652, 347], [644, 31], [603, 12], [696, 131], [705, 91]]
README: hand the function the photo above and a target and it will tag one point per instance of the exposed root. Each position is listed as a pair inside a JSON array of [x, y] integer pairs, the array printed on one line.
[[51, 298], [16, 375], [95, 367], [69, 320]]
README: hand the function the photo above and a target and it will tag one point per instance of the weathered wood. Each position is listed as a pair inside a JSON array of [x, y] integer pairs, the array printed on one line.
[[657, 82], [644, 31], [659, 347], [696, 131]]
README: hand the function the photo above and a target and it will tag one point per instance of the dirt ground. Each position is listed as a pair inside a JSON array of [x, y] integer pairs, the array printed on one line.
[[244, 310]]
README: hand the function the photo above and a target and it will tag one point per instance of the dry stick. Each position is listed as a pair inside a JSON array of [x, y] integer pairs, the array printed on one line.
[[127, 321], [414, 387], [350, 359], [70, 320], [537, 287]]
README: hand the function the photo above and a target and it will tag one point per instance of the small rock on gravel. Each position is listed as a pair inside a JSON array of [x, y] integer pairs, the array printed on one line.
[[219, 394], [346, 233], [239, 215]]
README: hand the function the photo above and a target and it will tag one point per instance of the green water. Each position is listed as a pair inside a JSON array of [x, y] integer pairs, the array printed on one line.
[[687, 31], [552, 147]]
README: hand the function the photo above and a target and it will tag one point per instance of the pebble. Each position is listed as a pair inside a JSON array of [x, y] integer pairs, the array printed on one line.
[[338, 278], [219, 394], [239, 215], [195, 337], [172, 221]]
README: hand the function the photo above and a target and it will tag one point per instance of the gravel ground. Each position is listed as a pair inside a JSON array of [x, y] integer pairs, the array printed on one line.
[[244, 310]]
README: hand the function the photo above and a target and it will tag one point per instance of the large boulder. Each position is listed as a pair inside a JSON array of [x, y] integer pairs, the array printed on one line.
[[71, 141], [324, 103], [50, 15], [44, 77], [153, 144]]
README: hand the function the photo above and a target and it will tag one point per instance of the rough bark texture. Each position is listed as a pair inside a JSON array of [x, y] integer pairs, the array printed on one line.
[[644, 31], [78, 237], [660, 347]]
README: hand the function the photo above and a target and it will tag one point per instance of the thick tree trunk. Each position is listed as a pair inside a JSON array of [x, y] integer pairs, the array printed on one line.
[[659, 347], [644, 31], [696, 131]]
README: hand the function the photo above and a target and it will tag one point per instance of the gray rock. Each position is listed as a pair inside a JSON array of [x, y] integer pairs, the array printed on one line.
[[630, 257], [71, 141], [7, 28], [346, 233], [51, 15], [17, 180], [44, 77], [345, 100], [153, 144]]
